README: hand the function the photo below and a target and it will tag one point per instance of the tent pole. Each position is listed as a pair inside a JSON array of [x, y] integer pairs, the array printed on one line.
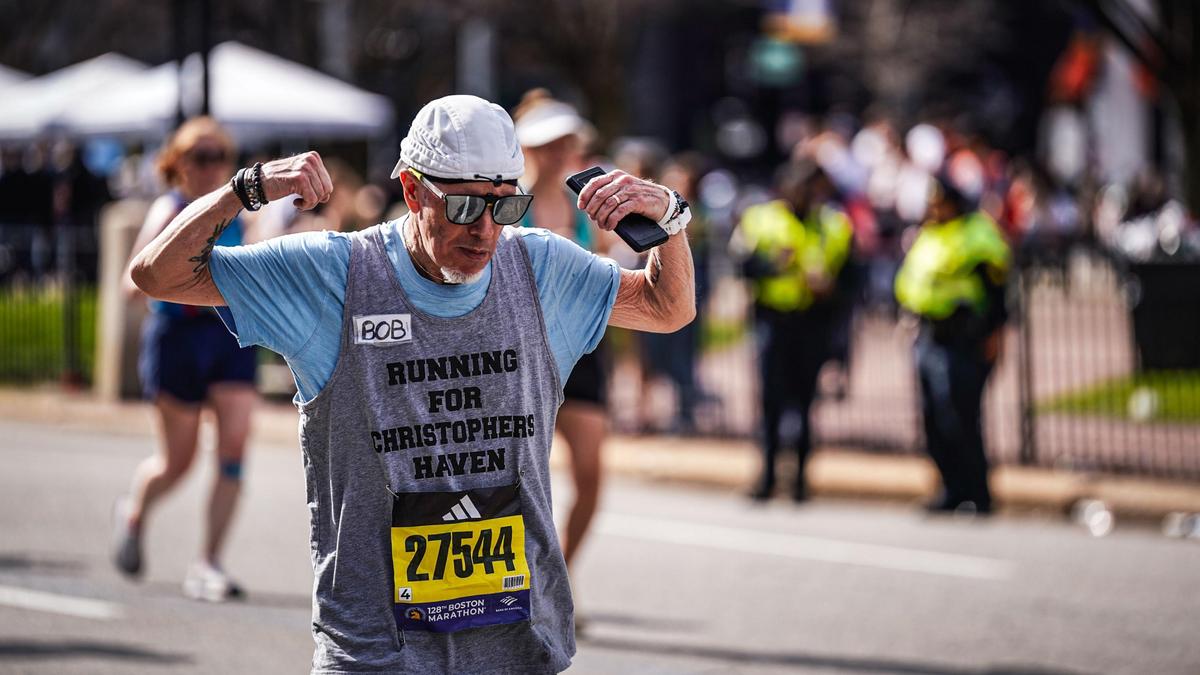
[[205, 49], [179, 19]]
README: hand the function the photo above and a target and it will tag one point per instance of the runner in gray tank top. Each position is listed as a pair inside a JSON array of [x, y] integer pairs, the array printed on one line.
[[426, 451], [433, 435]]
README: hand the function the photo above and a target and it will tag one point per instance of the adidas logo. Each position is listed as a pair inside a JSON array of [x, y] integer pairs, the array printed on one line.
[[508, 600], [463, 510]]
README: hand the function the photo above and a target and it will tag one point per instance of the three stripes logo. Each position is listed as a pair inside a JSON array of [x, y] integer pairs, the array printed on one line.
[[463, 510], [508, 600]]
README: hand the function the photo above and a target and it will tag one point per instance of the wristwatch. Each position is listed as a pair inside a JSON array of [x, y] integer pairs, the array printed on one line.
[[678, 214]]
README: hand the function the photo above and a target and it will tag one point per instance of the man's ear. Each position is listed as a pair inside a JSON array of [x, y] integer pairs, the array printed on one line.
[[409, 185]]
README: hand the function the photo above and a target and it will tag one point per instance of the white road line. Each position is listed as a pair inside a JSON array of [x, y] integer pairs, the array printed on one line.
[[23, 598], [804, 547]]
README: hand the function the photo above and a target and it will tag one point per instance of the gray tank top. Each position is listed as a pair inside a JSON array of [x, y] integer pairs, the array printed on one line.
[[426, 457]]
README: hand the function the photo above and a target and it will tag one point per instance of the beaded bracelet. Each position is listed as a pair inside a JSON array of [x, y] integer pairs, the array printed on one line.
[[238, 183], [252, 189], [259, 188], [247, 184]]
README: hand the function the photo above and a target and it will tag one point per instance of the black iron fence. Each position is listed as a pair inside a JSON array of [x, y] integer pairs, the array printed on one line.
[[1110, 365], [1100, 371], [47, 304]]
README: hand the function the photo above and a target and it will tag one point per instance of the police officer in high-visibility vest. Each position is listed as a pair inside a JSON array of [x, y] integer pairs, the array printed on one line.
[[793, 250], [954, 279]]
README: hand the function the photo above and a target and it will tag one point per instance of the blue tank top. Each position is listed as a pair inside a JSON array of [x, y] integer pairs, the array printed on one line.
[[232, 236]]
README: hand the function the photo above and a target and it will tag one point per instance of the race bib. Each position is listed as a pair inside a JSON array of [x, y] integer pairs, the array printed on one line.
[[458, 559]]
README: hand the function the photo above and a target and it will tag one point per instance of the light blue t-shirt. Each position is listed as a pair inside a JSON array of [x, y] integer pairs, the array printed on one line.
[[287, 294]]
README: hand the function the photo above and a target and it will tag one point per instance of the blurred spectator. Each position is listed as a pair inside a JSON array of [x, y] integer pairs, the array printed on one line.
[[1042, 215], [78, 195], [794, 250], [954, 279], [675, 355], [551, 134], [190, 361], [644, 158], [136, 175], [877, 148], [831, 151], [369, 203], [340, 213], [1144, 224], [26, 205]]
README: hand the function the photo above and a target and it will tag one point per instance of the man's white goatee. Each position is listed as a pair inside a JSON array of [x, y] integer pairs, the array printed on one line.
[[455, 277]]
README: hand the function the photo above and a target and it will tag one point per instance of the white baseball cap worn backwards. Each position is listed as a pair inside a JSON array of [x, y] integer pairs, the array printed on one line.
[[462, 138]]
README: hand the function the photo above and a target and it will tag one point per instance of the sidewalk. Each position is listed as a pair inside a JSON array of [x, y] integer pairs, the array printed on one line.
[[717, 463]]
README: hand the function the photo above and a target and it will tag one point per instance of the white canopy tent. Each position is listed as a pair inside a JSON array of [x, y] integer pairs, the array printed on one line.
[[10, 76], [29, 108], [256, 95]]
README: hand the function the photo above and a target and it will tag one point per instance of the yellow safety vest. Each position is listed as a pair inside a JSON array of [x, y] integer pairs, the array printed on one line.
[[938, 274], [820, 246]]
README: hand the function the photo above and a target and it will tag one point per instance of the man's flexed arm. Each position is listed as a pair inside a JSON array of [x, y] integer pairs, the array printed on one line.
[[174, 265], [662, 297]]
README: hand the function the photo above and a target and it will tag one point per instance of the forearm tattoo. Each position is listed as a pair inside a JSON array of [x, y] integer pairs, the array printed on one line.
[[201, 260]]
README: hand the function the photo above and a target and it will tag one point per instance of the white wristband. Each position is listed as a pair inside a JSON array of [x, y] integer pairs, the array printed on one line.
[[673, 222]]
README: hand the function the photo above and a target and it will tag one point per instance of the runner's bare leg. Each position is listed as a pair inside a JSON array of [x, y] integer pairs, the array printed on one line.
[[583, 426], [179, 424], [233, 404]]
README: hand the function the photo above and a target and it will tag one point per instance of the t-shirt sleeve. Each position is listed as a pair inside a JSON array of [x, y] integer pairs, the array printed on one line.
[[278, 291], [577, 290]]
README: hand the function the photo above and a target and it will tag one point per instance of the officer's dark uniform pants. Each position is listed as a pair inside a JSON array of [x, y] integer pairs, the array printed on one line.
[[793, 347], [952, 382]]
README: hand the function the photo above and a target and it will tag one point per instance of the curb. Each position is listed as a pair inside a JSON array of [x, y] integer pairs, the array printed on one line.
[[715, 463]]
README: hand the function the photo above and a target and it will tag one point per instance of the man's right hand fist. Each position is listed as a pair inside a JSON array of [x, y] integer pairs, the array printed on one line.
[[303, 175]]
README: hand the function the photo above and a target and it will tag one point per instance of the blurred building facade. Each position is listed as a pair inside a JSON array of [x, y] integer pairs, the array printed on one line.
[[722, 76]]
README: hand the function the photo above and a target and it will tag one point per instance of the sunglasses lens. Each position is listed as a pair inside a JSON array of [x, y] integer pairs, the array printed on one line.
[[509, 210], [207, 157], [464, 209]]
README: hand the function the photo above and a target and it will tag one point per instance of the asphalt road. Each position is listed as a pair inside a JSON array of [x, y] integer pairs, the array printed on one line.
[[675, 580]]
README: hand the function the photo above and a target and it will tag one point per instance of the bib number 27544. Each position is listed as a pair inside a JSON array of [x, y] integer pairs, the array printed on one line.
[[458, 559]]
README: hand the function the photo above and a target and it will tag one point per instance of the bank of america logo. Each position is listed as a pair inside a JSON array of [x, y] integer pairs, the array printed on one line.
[[463, 510], [508, 600]]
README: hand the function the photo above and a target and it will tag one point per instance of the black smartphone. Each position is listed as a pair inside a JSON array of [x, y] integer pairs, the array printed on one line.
[[641, 233]]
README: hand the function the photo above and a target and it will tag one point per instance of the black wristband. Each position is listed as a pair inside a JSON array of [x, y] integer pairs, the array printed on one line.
[[238, 182], [249, 177], [680, 203], [261, 192]]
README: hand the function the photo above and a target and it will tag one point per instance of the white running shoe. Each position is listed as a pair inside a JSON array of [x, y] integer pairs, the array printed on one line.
[[209, 583], [127, 541]]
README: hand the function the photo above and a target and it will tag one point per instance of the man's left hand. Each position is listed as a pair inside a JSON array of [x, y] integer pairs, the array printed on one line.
[[609, 198]]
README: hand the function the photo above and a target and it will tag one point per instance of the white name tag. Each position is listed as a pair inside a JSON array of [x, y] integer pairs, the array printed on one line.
[[382, 329]]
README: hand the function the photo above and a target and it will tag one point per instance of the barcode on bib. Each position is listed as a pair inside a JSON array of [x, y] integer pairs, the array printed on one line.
[[514, 582]]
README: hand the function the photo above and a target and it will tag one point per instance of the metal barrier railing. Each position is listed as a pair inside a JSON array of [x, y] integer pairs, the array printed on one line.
[[1105, 388], [47, 304], [1091, 377], [1069, 391]]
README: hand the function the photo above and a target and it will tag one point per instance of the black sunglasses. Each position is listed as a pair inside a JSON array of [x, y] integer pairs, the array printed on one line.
[[466, 209], [208, 157]]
